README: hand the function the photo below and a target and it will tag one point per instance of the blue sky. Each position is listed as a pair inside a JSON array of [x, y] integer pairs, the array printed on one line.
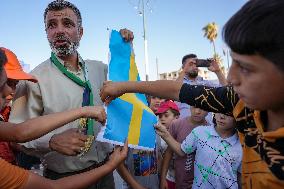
[[173, 29]]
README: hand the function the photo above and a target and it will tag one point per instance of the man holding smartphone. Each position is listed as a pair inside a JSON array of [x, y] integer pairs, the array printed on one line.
[[189, 75]]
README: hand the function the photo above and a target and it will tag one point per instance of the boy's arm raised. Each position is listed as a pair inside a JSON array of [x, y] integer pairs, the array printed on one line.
[[37, 127], [220, 100], [162, 88], [173, 144]]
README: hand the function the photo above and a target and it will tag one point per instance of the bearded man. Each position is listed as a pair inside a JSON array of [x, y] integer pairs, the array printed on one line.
[[189, 75], [65, 81]]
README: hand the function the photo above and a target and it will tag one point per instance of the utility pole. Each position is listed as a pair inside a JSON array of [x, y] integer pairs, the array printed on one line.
[[142, 6], [145, 43]]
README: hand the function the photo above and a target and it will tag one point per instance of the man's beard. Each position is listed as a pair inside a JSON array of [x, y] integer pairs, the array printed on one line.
[[192, 74], [65, 50]]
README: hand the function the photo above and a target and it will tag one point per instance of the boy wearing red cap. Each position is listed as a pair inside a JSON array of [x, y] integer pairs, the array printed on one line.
[[168, 112]]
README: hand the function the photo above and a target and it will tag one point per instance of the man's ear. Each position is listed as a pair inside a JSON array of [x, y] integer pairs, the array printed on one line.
[[81, 32]]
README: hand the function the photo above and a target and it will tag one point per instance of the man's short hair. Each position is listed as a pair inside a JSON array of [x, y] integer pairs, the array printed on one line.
[[3, 59], [58, 5], [187, 57], [257, 29]]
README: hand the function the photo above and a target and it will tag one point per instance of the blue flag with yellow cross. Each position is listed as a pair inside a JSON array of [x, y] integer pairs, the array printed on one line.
[[129, 115]]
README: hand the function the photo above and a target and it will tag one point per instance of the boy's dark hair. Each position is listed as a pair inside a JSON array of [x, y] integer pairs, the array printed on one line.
[[187, 57], [3, 59], [176, 113], [257, 28], [58, 5]]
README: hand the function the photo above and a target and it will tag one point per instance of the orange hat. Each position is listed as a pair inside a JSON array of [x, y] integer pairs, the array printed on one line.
[[14, 69]]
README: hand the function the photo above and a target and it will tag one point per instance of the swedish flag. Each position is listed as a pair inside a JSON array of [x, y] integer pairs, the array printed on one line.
[[128, 116]]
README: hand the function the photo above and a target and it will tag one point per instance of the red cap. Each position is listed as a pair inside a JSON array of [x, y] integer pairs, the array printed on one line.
[[165, 106], [14, 69]]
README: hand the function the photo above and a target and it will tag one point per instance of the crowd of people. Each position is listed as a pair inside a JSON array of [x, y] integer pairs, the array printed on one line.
[[226, 135]]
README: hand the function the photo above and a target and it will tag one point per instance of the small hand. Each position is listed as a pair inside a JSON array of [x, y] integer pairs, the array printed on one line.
[[118, 156], [96, 112], [127, 35], [110, 91], [161, 130], [70, 142]]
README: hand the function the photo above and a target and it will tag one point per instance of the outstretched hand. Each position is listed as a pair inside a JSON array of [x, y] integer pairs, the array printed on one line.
[[110, 91], [127, 35], [96, 112], [119, 154], [161, 130]]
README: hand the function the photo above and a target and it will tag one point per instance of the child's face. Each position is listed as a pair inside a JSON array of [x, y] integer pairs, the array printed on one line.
[[5, 90], [257, 81], [166, 118], [155, 103], [197, 114], [224, 122], [12, 83]]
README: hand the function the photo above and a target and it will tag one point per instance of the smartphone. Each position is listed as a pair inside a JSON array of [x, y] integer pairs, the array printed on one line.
[[203, 62]]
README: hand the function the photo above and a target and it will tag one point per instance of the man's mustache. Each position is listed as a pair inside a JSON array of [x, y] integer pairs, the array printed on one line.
[[61, 37]]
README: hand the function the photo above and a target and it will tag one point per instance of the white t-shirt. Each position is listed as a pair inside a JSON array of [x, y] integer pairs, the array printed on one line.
[[217, 160]]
